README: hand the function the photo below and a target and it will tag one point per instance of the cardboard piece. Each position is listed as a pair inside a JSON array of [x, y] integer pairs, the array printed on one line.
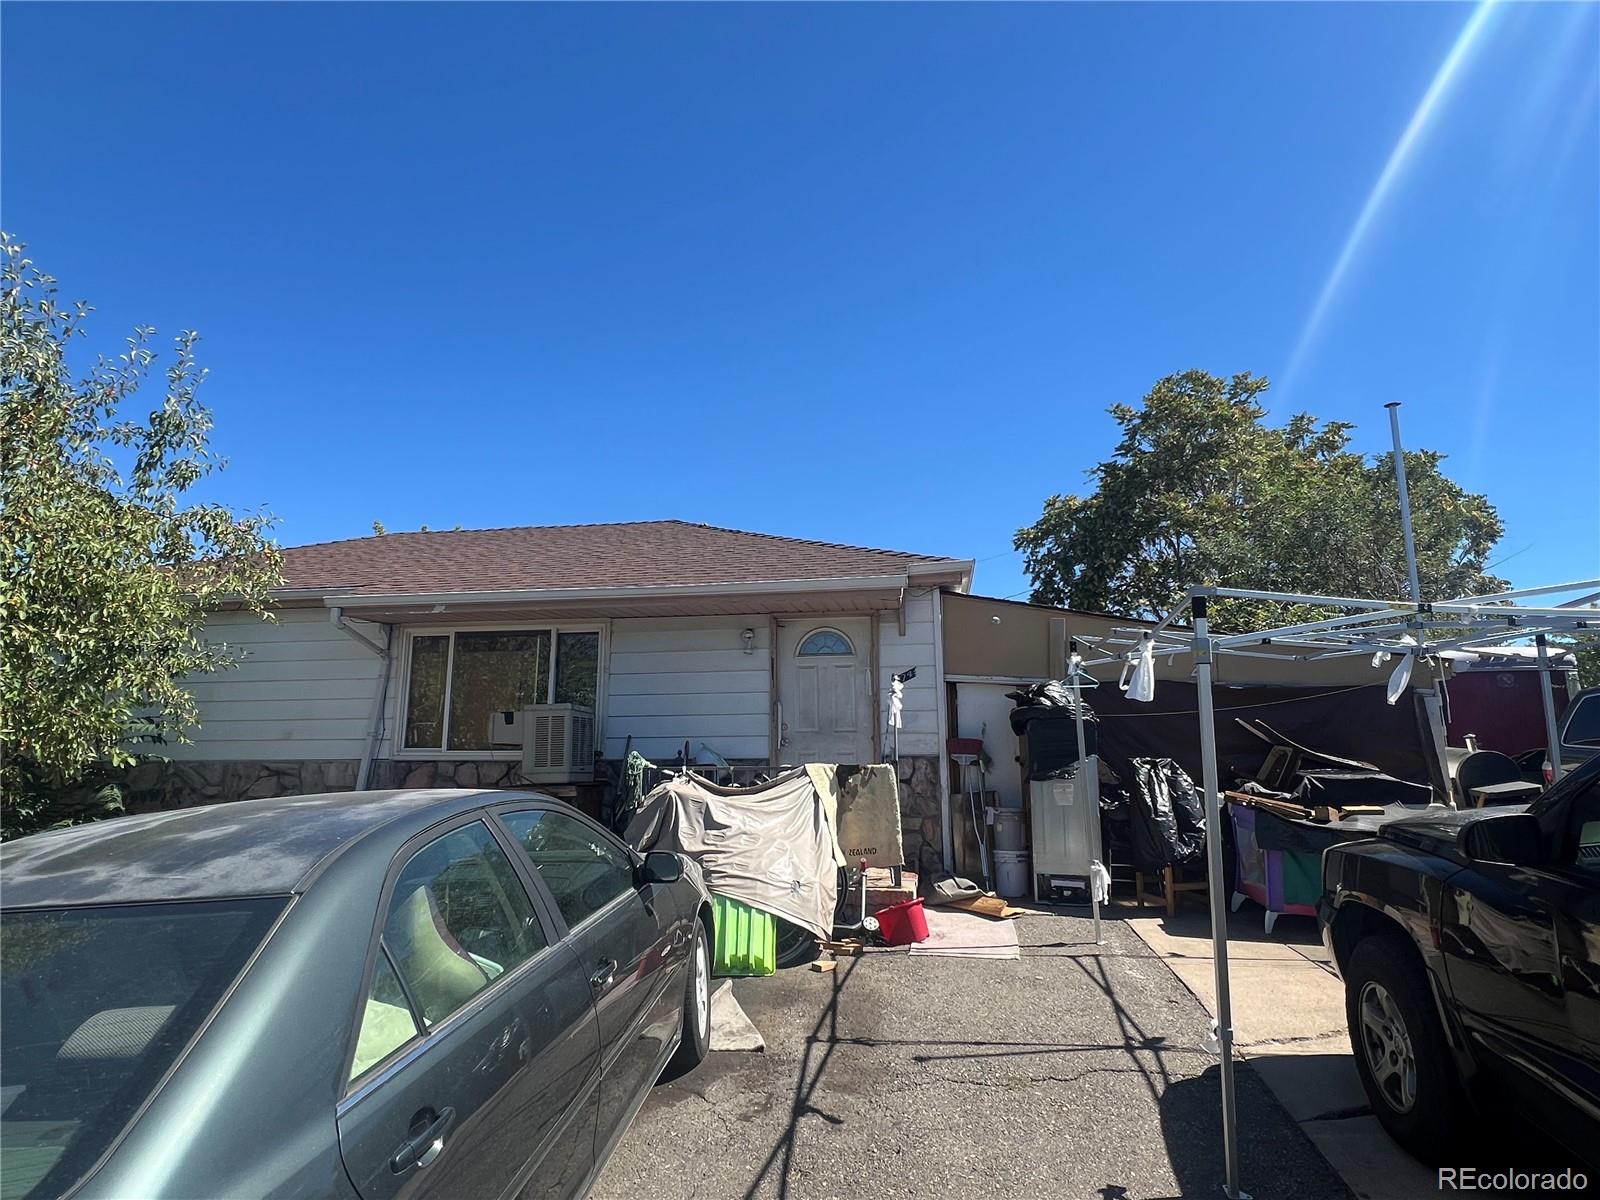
[[986, 906]]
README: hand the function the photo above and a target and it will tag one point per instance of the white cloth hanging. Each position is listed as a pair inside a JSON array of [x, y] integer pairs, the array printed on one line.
[[1099, 882], [1142, 686], [897, 703], [1401, 676]]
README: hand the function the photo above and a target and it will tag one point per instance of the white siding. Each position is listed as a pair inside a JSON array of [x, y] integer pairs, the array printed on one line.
[[302, 690], [919, 733], [688, 679]]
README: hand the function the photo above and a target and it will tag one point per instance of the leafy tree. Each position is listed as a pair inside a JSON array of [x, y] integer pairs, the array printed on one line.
[[1201, 491], [108, 563]]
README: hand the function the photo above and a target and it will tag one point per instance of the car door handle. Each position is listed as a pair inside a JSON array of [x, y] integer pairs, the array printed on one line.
[[425, 1147], [604, 974]]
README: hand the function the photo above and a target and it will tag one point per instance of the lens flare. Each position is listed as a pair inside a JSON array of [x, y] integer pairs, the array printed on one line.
[[1424, 113]]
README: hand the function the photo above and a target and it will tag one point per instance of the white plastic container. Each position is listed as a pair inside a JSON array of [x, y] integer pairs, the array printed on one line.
[[1011, 873], [1008, 829]]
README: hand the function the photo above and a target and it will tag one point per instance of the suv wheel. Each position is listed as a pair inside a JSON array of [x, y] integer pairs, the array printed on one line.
[[1400, 1049]]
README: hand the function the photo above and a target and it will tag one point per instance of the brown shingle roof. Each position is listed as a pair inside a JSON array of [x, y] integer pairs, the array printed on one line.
[[635, 554]]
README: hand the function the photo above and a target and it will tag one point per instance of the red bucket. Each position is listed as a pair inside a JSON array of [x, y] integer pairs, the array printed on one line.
[[902, 924]]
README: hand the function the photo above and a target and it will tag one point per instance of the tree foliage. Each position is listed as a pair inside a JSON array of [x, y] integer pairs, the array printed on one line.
[[109, 562], [1201, 491]]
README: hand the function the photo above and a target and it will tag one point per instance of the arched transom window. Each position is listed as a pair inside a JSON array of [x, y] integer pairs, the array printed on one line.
[[825, 643]]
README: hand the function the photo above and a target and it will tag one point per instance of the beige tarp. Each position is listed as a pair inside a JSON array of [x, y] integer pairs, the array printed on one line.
[[865, 811], [771, 846]]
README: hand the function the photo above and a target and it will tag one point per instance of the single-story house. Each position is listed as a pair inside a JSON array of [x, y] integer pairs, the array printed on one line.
[[393, 659]]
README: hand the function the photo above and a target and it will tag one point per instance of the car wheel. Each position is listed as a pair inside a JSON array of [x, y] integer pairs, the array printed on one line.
[[696, 1039], [1400, 1049], [795, 946]]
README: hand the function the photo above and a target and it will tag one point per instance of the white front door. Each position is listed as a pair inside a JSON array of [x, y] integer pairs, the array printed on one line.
[[825, 691]]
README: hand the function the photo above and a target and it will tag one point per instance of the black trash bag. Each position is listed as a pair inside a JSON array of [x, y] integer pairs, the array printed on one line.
[[1167, 825], [1052, 693]]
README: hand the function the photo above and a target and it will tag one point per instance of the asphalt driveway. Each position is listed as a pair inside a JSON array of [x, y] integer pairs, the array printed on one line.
[[1074, 1072]]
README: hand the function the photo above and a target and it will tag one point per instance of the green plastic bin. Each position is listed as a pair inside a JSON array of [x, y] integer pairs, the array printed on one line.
[[747, 939]]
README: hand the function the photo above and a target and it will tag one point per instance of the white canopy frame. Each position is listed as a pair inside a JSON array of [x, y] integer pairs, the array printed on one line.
[[1372, 630], [1380, 628]]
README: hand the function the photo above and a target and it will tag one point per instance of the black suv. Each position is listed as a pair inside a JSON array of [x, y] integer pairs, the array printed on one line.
[[1469, 944]]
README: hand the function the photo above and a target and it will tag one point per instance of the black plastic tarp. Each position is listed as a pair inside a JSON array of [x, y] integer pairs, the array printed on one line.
[[1339, 788], [1353, 722], [1285, 833]]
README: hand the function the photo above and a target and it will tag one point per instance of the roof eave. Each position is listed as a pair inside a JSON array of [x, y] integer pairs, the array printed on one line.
[[850, 583]]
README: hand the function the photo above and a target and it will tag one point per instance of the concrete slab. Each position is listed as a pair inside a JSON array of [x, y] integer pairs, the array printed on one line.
[[1281, 1000], [1374, 1167], [731, 1027], [1314, 1086], [1189, 936]]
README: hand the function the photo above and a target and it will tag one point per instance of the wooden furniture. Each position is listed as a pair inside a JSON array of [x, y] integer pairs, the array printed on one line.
[[1171, 889]]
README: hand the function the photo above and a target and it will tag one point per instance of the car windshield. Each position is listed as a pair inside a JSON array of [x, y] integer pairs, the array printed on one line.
[[98, 1004]]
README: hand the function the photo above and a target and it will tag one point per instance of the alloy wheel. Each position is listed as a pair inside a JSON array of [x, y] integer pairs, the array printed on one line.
[[702, 986], [1387, 1043]]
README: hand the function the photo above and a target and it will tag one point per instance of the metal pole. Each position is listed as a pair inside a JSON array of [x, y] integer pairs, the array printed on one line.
[[1405, 501], [1081, 783], [1551, 737], [1215, 889], [1429, 694]]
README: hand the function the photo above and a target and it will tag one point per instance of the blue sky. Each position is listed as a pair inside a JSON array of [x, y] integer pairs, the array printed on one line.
[[866, 274]]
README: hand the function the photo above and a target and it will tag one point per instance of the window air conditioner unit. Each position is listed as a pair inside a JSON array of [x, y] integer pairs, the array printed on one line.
[[558, 743]]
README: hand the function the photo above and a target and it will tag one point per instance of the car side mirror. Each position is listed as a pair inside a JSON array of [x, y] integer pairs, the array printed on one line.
[[661, 867], [1513, 838]]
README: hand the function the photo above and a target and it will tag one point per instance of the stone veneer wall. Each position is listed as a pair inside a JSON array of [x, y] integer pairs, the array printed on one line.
[[920, 819], [160, 785], [156, 785], [153, 786]]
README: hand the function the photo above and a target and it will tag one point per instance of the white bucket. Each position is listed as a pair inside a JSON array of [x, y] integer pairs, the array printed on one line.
[[1008, 829], [1011, 873]]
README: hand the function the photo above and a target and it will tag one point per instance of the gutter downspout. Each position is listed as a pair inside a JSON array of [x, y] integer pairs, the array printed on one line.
[[375, 715]]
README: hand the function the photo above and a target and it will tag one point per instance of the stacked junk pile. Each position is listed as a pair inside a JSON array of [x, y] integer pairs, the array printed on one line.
[[802, 867], [1139, 809]]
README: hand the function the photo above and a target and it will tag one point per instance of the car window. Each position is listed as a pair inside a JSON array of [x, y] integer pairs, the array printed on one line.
[[458, 919], [99, 1003], [1583, 723], [387, 1022], [1583, 826], [580, 866]]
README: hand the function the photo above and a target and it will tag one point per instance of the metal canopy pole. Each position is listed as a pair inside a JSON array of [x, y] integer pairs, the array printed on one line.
[[1552, 738], [1405, 501], [1215, 885], [1086, 794], [1429, 694]]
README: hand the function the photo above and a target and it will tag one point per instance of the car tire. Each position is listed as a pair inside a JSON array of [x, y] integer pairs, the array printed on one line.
[[795, 946], [696, 1037], [1400, 1050]]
